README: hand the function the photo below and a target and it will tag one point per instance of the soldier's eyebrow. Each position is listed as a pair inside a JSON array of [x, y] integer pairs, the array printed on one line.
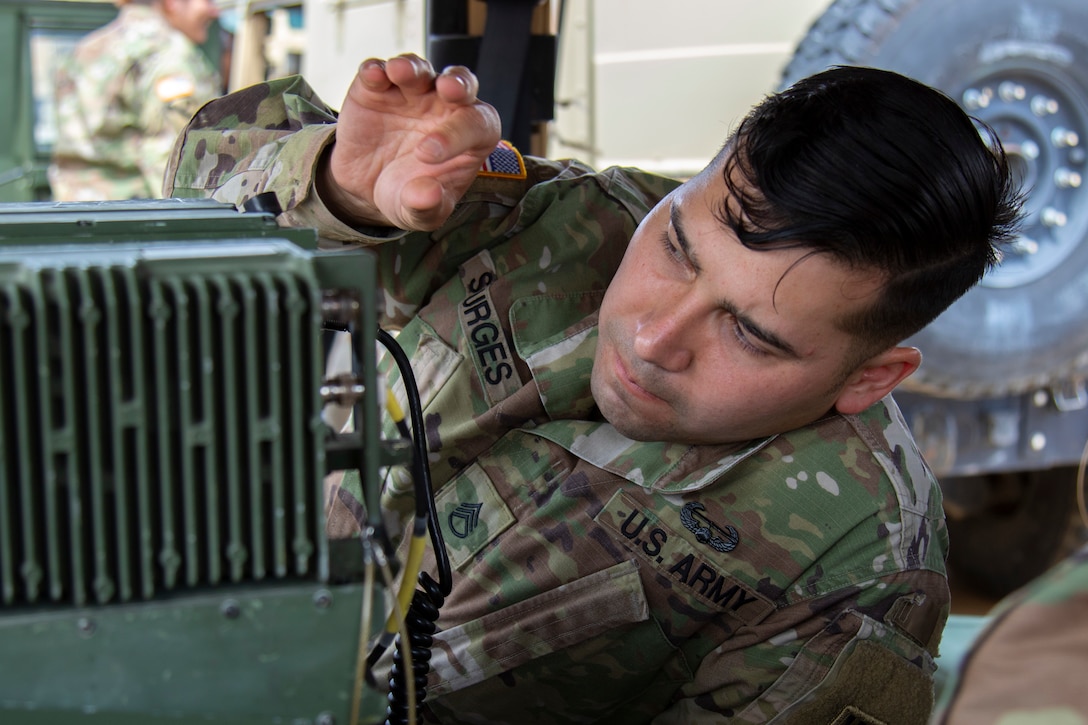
[[750, 326], [763, 335], [681, 237]]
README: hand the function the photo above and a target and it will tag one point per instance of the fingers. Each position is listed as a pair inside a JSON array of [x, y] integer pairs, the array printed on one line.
[[456, 85], [472, 129], [425, 204], [412, 74], [372, 75], [410, 141], [409, 73]]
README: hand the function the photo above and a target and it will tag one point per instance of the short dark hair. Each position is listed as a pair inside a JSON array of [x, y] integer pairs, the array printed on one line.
[[882, 172]]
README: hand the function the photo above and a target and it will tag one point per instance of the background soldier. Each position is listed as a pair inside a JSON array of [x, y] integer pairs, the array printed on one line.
[[1024, 667], [123, 96]]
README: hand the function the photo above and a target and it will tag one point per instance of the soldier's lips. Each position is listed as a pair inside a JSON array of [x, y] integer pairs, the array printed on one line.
[[631, 384]]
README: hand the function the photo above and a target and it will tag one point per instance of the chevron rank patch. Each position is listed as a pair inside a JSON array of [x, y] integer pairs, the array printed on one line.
[[504, 162]]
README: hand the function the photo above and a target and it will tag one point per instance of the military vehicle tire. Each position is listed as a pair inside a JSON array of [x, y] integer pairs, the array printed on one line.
[[1019, 535], [1022, 68]]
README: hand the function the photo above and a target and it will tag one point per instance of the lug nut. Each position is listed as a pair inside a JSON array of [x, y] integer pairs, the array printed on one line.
[[1064, 138], [974, 99], [1010, 91], [1051, 217], [1067, 178], [1043, 106]]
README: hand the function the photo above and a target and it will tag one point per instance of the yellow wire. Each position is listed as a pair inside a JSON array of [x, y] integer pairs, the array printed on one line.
[[391, 404], [395, 623], [364, 636], [418, 543], [405, 643], [411, 572]]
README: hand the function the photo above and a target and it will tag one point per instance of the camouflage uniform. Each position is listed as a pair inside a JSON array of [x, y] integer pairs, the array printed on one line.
[[1029, 664], [122, 97], [597, 578]]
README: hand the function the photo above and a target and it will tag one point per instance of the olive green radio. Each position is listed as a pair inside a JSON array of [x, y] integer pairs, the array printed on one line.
[[163, 449]]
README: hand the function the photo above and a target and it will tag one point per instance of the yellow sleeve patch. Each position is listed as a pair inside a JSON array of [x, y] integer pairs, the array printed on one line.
[[504, 162], [171, 88]]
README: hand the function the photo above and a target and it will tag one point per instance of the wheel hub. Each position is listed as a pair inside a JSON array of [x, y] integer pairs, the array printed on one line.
[[1044, 129]]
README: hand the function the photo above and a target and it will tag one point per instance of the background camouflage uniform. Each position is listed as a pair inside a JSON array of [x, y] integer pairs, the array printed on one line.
[[597, 578], [122, 97], [1030, 664]]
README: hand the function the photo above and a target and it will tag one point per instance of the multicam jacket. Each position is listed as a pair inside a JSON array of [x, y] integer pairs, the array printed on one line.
[[598, 579], [122, 97], [1028, 665]]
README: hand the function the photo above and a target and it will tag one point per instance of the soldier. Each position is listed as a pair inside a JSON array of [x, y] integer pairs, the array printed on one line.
[[1027, 665], [125, 93], [672, 482]]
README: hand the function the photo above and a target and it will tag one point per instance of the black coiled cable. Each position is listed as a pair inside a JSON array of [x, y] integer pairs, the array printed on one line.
[[420, 625]]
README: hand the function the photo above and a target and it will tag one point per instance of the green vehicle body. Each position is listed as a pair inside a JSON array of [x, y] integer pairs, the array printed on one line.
[[34, 36]]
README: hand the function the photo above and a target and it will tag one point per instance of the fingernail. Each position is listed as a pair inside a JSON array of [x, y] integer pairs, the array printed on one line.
[[451, 72]]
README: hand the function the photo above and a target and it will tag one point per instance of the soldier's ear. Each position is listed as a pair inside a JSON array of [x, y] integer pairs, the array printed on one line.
[[876, 377]]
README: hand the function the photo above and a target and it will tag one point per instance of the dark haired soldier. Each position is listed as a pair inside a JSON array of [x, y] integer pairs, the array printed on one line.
[[673, 485]]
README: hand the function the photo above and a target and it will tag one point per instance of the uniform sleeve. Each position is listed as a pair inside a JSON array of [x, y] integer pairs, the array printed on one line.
[[265, 138], [1020, 667], [841, 658]]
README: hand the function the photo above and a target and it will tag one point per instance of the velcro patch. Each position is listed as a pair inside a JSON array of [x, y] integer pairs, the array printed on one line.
[[471, 514], [481, 325], [642, 531], [851, 715], [504, 162]]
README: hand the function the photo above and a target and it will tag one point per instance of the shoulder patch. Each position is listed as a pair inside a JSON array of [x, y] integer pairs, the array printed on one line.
[[504, 162], [171, 88]]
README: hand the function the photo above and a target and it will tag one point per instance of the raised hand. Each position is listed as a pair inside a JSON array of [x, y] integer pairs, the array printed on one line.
[[408, 144]]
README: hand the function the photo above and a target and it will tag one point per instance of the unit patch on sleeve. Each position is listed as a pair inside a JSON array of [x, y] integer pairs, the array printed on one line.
[[687, 559], [171, 88], [504, 162]]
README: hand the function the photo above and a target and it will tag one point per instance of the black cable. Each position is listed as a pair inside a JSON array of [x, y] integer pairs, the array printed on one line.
[[422, 615], [424, 491], [420, 620]]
